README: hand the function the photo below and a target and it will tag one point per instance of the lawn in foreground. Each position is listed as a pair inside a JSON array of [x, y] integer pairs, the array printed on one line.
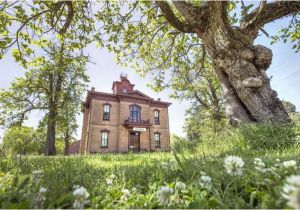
[[150, 180]]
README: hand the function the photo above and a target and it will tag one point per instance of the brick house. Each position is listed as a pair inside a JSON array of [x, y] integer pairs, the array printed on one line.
[[125, 120]]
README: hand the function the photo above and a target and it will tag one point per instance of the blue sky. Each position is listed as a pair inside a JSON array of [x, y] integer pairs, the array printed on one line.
[[285, 72]]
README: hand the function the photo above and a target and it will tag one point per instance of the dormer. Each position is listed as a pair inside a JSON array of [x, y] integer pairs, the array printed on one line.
[[123, 86]]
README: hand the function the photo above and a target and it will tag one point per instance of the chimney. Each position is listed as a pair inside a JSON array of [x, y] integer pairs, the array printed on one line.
[[123, 76], [93, 89], [158, 99]]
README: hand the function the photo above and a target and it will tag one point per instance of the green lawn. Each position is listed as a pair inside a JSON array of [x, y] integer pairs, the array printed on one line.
[[194, 178]]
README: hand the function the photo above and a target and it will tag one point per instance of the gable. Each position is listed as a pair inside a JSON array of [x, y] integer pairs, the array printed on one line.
[[139, 94]]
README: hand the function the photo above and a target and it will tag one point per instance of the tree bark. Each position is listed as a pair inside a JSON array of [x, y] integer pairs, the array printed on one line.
[[51, 130], [234, 108], [67, 142], [241, 68]]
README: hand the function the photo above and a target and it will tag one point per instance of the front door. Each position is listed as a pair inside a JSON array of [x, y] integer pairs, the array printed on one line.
[[134, 141]]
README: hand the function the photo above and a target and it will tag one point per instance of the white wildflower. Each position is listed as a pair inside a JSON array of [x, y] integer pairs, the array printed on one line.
[[125, 194], [43, 190], [110, 180], [259, 165], [41, 195], [81, 197], [291, 191], [234, 165], [205, 182], [173, 164], [290, 164], [180, 186], [170, 165], [164, 195], [40, 198], [36, 174], [202, 173]]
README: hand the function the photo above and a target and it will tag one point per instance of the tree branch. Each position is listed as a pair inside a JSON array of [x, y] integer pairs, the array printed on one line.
[[173, 20], [267, 13]]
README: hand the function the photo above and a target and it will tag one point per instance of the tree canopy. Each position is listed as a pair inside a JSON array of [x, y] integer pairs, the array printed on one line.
[[167, 39]]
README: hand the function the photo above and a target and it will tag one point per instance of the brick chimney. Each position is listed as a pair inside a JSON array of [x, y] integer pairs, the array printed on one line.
[[123, 86], [93, 89]]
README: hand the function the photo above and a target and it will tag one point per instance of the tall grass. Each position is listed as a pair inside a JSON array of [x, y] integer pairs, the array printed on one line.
[[145, 174]]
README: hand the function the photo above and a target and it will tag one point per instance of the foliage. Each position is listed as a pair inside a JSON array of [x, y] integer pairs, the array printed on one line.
[[23, 140], [289, 107], [201, 120], [53, 85], [194, 179], [30, 26], [290, 32]]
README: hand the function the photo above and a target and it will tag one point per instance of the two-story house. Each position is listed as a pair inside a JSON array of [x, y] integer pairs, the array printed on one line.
[[125, 120]]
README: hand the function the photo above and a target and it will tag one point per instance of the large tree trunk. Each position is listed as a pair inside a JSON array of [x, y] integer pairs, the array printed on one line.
[[234, 108], [51, 129], [241, 67]]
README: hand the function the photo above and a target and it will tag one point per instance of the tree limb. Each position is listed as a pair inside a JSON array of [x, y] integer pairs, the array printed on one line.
[[197, 16], [267, 13], [173, 20]]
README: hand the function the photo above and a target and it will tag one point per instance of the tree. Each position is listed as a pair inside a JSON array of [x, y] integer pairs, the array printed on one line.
[[161, 35], [289, 107], [168, 29], [53, 84], [22, 140]]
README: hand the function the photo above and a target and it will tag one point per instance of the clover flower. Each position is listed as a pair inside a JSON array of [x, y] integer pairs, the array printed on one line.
[[110, 180], [205, 182], [290, 164], [125, 194], [202, 173], [170, 165], [81, 197], [291, 191], [36, 175], [234, 165], [260, 165], [180, 186], [164, 195], [41, 197]]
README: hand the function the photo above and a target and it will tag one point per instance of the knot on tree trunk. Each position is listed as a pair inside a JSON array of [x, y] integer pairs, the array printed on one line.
[[252, 82], [247, 54], [263, 57]]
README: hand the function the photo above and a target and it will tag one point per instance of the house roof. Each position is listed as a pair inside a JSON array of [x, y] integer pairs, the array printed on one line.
[[120, 97]]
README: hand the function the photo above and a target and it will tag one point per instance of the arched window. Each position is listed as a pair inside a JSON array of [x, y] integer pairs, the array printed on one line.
[[135, 113], [156, 117], [106, 111], [125, 91], [157, 140]]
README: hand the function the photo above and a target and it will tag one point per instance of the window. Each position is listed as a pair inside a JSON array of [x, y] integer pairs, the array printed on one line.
[[106, 112], [157, 140], [104, 139], [135, 113], [125, 90], [156, 117]]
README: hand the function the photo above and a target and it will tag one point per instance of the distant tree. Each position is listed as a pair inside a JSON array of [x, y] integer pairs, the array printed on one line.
[[22, 140], [289, 107], [53, 84]]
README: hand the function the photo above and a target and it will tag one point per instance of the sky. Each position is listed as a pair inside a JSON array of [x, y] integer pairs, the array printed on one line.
[[284, 70]]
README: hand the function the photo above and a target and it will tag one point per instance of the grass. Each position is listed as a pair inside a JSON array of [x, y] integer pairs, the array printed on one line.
[[145, 174]]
